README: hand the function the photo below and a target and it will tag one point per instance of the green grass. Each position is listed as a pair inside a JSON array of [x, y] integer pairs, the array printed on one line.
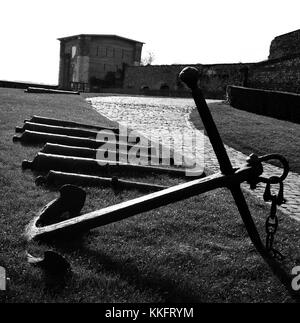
[[252, 133], [195, 250]]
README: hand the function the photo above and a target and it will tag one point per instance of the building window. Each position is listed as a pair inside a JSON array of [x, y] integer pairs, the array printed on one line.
[[126, 55], [103, 51], [118, 52], [73, 51], [110, 52]]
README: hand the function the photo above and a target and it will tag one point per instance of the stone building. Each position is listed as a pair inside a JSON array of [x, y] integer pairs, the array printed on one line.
[[90, 62]]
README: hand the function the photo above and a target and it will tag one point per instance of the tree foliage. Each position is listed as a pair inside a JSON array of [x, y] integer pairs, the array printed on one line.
[[148, 59]]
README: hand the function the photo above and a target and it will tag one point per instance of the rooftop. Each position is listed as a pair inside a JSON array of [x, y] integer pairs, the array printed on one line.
[[99, 35]]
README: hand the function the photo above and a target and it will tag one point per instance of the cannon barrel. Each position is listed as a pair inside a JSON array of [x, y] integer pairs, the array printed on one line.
[[64, 150], [69, 131], [65, 123], [32, 89], [46, 162], [58, 178], [33, 137]]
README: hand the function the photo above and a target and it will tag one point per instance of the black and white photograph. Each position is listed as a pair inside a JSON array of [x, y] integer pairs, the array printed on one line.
[[150, 155]]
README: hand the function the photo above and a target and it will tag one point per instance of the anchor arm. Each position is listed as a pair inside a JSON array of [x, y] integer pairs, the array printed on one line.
[[138, 205]]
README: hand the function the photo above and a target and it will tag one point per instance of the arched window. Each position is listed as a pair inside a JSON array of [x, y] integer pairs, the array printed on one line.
[[164, 87]]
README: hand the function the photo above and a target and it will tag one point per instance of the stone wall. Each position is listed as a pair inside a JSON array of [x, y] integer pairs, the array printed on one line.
[[213, 78], [279, 74], [282, 74], [285, 45]]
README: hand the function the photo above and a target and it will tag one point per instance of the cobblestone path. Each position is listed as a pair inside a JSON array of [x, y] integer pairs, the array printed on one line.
[[165, 119]]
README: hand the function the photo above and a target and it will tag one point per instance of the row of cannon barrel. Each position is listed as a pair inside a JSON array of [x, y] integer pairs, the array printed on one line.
[[72, 153], [40, 90]]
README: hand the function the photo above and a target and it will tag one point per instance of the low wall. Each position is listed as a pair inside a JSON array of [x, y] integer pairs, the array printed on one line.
[[24, 85], [280, 105], [147, 92]]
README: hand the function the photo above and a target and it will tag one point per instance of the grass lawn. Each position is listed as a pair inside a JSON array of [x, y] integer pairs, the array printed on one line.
[[195, 250], [253, 133]]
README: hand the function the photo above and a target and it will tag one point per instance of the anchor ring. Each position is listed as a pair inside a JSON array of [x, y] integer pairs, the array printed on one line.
[[275, 179]]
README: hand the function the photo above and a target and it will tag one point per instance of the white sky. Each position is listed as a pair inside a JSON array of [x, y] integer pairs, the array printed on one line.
[[176, 31]]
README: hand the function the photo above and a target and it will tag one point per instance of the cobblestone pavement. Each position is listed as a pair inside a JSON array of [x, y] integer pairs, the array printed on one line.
[[167, 120]]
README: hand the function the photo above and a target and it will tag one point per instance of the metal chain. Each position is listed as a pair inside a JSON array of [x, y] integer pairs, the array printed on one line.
[[271, 225]]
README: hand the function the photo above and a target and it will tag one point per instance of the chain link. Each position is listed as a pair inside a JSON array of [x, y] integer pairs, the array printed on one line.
[[271, 225]]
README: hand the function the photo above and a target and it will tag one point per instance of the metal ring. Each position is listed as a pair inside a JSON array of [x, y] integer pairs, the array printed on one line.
[[275, 179]]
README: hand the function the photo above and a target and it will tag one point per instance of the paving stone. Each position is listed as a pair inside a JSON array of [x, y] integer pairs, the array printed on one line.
[[166, 120]]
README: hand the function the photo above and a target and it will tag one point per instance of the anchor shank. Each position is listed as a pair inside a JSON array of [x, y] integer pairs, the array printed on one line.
[[189, 76], [244, 211]]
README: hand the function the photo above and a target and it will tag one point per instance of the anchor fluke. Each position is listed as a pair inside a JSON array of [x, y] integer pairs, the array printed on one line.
[[67, 206], [52, 262]]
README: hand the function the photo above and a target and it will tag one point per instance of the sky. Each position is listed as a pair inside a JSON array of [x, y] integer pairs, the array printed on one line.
[[176, 31]]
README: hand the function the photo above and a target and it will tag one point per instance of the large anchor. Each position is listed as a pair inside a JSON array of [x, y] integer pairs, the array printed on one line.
[[44, 227]]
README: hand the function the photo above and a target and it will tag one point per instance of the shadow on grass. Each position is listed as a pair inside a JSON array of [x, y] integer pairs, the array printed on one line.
[[128, 270]]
